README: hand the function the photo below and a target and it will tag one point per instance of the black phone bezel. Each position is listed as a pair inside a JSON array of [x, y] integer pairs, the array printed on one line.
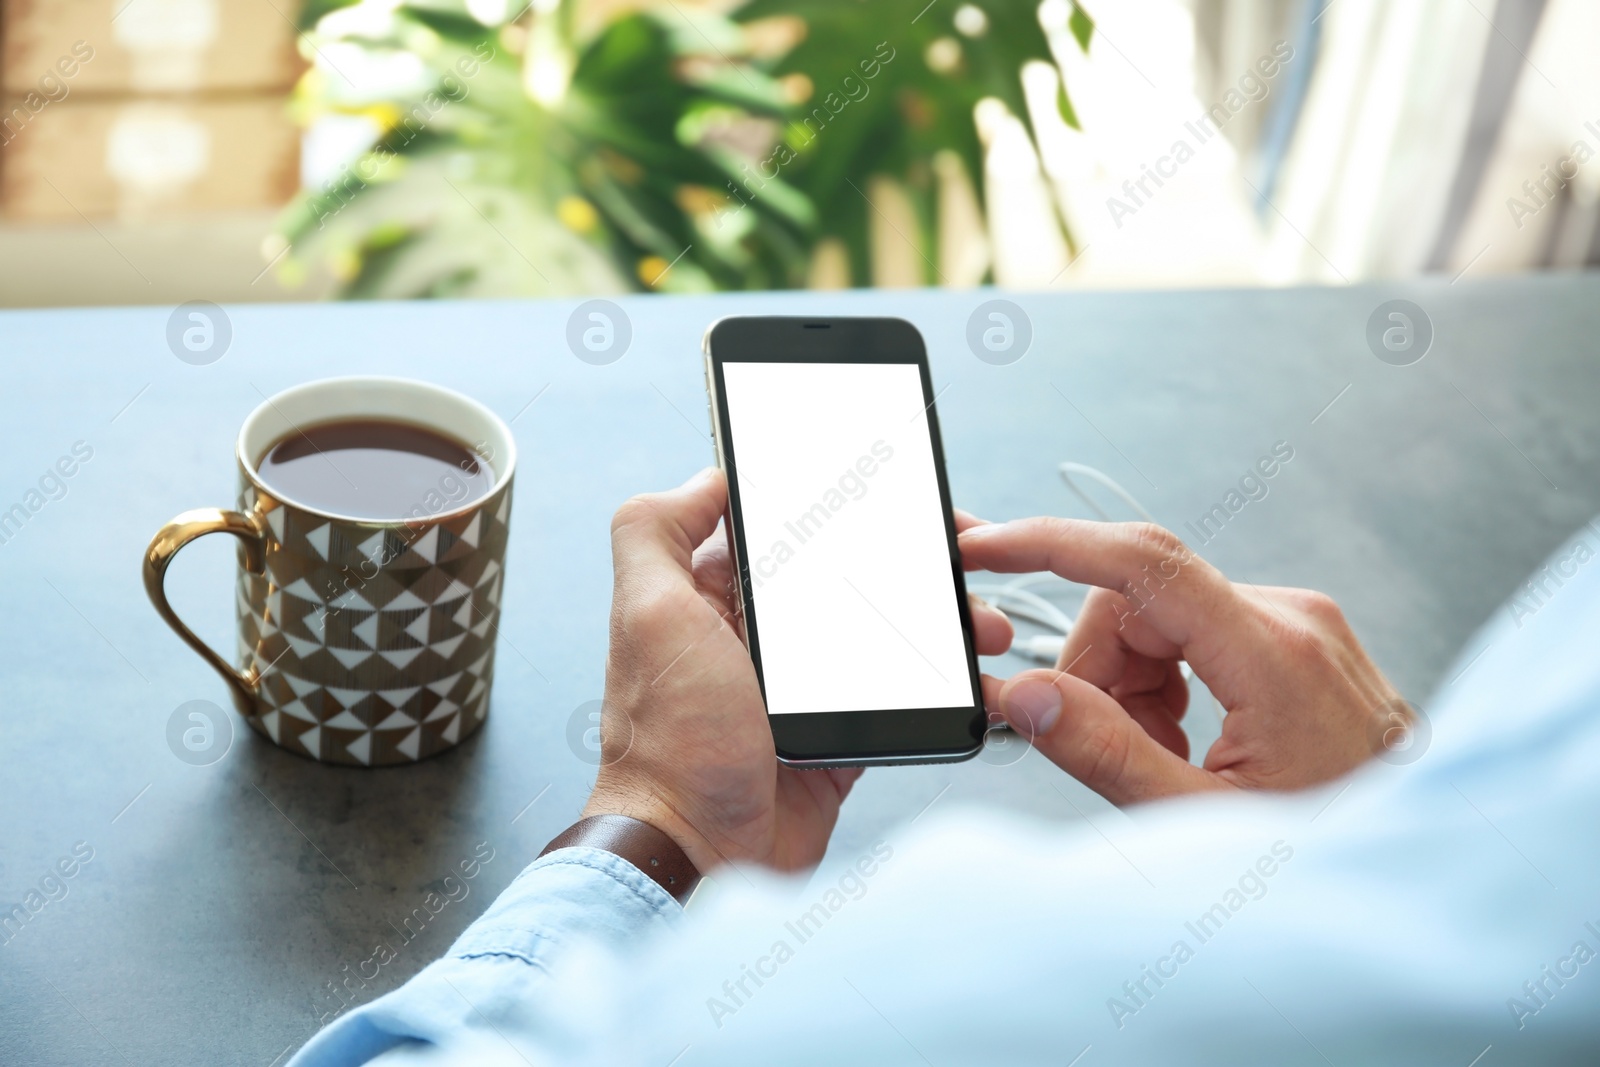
[[911, 735]]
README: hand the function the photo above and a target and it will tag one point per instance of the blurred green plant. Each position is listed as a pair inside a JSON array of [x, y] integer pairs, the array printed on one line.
[[581, 146]]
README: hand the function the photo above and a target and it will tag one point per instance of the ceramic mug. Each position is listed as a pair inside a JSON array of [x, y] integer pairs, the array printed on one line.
[[361, 641]]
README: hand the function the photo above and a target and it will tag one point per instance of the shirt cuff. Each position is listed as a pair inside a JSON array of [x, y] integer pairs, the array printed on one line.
[[502, 966], [568, 895]]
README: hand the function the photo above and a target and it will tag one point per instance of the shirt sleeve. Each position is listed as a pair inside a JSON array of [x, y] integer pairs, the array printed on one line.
[[497, 979]]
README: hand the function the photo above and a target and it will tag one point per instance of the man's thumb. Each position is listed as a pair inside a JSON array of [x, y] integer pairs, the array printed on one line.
[[671, 523], [1086, 733]]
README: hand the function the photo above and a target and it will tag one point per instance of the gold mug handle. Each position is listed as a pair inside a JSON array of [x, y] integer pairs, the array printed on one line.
[[251, 533]]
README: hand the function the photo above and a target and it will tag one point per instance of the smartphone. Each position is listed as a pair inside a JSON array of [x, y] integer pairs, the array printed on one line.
[[853, 602]]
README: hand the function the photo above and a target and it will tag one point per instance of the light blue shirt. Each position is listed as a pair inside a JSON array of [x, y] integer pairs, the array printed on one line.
[[1445, 911]]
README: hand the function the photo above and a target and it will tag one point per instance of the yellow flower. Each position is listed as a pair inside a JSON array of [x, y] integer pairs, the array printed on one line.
[[651, 270], [621, 167], [698, 200], [385, 114], [797, 88], [577, 214]]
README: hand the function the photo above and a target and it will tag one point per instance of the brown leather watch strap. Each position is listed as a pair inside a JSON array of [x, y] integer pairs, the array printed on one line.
[[636, 841]]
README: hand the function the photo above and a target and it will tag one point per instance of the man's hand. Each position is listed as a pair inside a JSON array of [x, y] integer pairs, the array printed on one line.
[[1301, 695], [685, 743]]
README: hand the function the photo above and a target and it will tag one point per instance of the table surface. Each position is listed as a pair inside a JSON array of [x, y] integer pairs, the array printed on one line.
[[222, 900]]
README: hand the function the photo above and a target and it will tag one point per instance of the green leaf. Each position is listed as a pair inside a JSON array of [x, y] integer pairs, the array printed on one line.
[[450, 25], [311, 12], [1064, 105], [1081, 25]]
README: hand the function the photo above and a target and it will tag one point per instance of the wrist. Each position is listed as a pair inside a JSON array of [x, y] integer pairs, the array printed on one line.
[[607, 800]]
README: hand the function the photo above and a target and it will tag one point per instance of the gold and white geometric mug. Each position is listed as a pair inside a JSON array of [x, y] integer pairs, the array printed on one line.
[[363, 642]]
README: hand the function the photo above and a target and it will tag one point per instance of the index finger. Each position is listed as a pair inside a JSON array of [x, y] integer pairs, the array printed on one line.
[[1182, 596]]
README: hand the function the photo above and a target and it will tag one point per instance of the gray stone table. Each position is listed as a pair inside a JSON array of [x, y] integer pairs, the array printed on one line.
[[222, 901]]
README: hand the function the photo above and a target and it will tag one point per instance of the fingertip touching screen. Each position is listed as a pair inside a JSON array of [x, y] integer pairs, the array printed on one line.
[[851, 580]]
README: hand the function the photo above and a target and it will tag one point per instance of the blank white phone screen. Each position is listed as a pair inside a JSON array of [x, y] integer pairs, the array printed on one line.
[[853, 591]]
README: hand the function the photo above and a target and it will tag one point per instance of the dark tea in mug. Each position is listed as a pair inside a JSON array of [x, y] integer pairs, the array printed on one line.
[[373, 469]]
